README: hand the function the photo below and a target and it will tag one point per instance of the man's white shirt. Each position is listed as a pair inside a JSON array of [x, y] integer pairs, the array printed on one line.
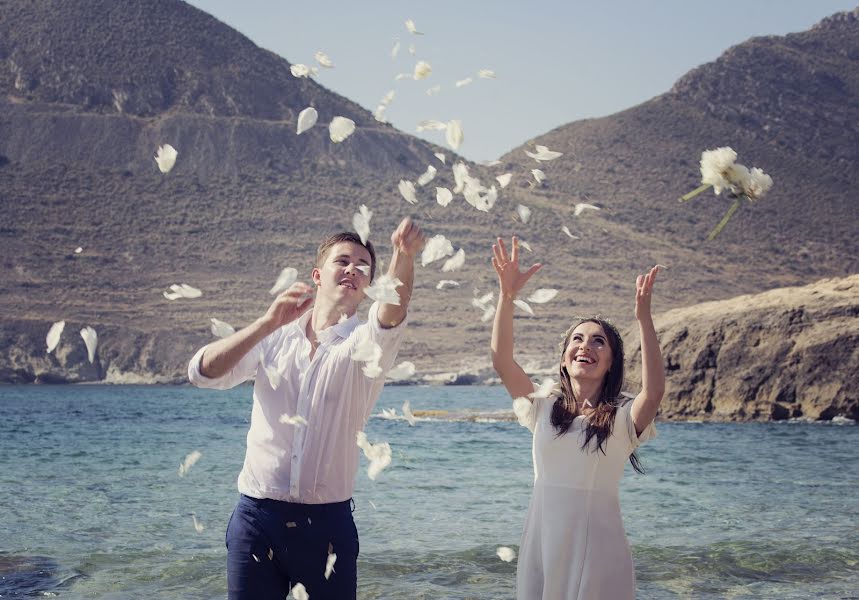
[[316, 463]]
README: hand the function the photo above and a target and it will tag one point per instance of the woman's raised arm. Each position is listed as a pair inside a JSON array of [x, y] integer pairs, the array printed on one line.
[[646, 404]]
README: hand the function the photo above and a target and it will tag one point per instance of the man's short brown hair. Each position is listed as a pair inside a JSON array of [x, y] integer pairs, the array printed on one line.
[[346, 236]]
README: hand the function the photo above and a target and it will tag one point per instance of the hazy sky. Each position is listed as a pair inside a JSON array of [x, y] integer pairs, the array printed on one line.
[[556, 61]]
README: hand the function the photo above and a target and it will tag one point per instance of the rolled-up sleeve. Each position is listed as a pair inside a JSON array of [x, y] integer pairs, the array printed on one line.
[[244, 370]]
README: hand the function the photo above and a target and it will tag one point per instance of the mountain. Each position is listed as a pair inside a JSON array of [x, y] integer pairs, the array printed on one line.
[[90, 89]]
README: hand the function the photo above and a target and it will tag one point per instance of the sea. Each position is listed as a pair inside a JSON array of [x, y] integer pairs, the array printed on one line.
[[92, 504]]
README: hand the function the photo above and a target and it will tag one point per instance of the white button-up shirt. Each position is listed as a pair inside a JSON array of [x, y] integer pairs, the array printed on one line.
[[316, 463]]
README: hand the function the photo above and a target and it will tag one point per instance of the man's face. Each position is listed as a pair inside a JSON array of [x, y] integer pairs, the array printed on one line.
[[343, 275]]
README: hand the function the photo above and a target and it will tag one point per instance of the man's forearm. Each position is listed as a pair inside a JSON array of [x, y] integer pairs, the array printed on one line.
[[221, 356]]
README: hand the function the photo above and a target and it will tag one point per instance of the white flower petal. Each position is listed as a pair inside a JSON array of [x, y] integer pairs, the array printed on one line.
[[569, 233], [524, 306], [463, 82], [379, 113], [526, 245], [443, 196], [404, 370], [384, 290], [286, 278], [306, 119], [323, 60], [543, 154], [539, 176], [407, 413], [504, 180], [542, 295], [299, 70], [440, 156], [54, 333], [546, 388], [455, 262], [395, 50], [407, 191], [361, 222], [190, 460], [165, 156], [714, 166], [222, 329], [435, 248], [581, 207], [329, 564], [506, 554], [340, 128], [410, 25], [454, 135], [428, 175], [299, 592], [198, 526], [388, 98], [486, 74], [524, 213], [91, 341], [431, 124], [446, 283], [422, 70]]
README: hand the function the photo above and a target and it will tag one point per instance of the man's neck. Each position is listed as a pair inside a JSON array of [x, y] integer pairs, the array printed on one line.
[[326, 314]]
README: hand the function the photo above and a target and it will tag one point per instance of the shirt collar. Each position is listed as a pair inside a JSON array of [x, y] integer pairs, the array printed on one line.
[[341, 330]]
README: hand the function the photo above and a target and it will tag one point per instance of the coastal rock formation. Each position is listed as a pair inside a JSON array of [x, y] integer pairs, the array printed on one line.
[[786, 353]]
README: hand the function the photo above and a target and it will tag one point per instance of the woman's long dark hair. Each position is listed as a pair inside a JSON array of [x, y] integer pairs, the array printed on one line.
[[601, 420]]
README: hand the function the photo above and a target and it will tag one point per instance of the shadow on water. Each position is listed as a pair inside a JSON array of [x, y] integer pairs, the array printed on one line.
[[22, 576]]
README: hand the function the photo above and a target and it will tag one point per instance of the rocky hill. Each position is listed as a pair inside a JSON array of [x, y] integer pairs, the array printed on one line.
[[88, 90], [788, 353]]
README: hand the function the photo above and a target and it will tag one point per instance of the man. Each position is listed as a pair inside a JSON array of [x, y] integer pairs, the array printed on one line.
[[297, 480]]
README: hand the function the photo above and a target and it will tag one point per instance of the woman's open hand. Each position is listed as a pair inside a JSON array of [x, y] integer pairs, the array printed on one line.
[[510, 279], [643, 293]]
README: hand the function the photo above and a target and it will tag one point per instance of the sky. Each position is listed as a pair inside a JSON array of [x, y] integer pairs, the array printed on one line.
[[555, 61]]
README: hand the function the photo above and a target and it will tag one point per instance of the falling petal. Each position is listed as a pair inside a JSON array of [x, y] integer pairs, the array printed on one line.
[[388, 98], [270, 554], [299, 592], [189, 462], [404, 370], [286, 278], [446, 283], [388, 413], [198, 526], [379, 454], [526, 245], [407, 413], [329, 564], [78, 250], [463, 82], [433, 90], [299, 70], [435, 248], [384, 290], [454, 262], [566, 230], [543, 154], [395, 50], [361, 223], [524, 306], [296, 420], [521, 408], [306, 119], [182, 290], [407, 190], [54, 333], [506, 554], [544, 390], [365, 269], [524, 213], [256, 558], [379, 113], [443, 196], [165, 156], [484, 303], [486, 74], [542, 295], [431, 124], [221, 329], [440, 156], [91, 341], [422, 70], [491, 163], [539, 176], [428, 175], [453, 134], [581, 207], [504, 180], [340, 128], [399, 76], [323, 60], [410, 25]]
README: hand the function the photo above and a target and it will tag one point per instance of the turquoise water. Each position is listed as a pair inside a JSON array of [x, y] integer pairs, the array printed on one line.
[[93, 507]]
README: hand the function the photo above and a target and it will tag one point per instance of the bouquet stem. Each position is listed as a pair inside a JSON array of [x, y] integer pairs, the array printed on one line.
[[694, 192], [718, 228]]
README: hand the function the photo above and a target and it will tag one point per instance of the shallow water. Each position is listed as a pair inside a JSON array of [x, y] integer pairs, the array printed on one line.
[[93, 506]]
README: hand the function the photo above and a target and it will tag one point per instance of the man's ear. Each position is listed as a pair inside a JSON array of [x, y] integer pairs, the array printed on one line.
[[315, 275]]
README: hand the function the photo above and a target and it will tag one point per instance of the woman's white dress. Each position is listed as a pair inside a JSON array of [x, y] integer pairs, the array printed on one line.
[[574, 546]]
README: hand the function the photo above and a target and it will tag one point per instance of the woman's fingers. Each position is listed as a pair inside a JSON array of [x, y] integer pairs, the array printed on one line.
[[514, 255], [503, 251], [534, 268]]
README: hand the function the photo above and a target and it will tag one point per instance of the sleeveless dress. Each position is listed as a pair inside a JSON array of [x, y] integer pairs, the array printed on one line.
[[574, 546]]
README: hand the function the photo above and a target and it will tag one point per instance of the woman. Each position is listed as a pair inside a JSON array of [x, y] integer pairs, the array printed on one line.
[[574, 545]]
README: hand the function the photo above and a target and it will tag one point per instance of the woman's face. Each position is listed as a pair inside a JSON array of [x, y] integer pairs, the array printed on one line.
[[588, 353]]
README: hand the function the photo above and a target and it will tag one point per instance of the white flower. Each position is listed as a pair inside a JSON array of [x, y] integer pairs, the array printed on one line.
[[715, 165], [440, 155], [524, 213], [54, 333], [436, 247], [455, 262], [454, 136], [443, 196], [323, 60], [506, 554], [410, 25], [407, 190], [542, 295], [165, 156], [384, 290], [91, 341], [287, 277], [504, 180], [340, 128], [428, 175], [543, 154], [486, 74], [422, 70], [463, 82], [306, 119], [521, 408], [182, 290], [361, 222], [221, 329], [581, 207], [190, 460], [446, 283], [758, 184], [524, 306], [404, 370]]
